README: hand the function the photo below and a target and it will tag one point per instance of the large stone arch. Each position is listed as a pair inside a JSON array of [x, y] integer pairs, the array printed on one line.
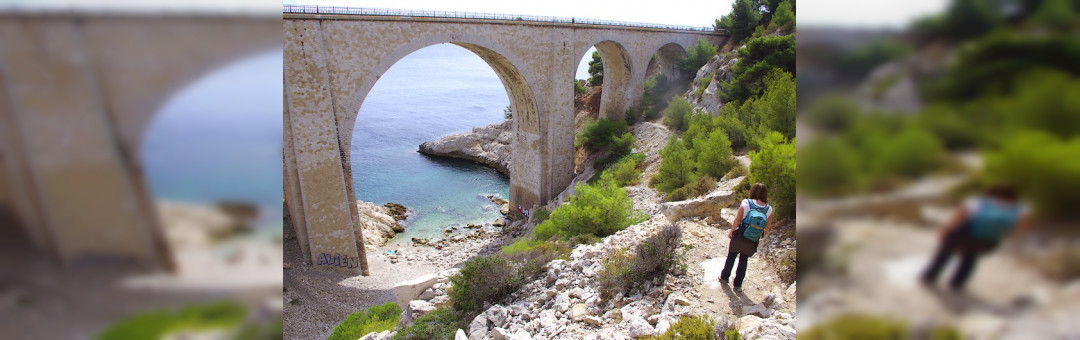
[[522, 100], [618, 75], [667, 56]]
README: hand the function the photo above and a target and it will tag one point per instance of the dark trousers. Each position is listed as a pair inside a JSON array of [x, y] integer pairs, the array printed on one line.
[[740, 273], [969, 251]]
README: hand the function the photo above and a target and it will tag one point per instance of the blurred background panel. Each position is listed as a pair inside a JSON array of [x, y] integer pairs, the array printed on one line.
[[908, 110], [140, 144]]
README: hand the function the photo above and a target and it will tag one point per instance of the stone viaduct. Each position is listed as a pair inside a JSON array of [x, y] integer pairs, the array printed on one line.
[[334, 56], [77, 93]]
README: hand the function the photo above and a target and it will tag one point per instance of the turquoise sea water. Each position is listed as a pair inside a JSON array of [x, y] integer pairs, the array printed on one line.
[[433, 92], [219, 139]]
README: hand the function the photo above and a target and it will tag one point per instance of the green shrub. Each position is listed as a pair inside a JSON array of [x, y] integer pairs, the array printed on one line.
[[583, 239], [715, 158], [601, 209], [697, 56], [1044, 168], [626, 172], [833, 113], [376, 319], [857, 327], [700, 185], [159, 323], [579, 89], [828, 167], [600, 133], [676, 167], [677, 114], [705, 81], [483, 279], [730, 123], [948, 126], [691, 327], [774, 165], [540, 215], [630, 116], [521, 246], [739, 170], [622, 145], [652, 258], [911, 153], [272, 331], [508, 112], [439, 324]]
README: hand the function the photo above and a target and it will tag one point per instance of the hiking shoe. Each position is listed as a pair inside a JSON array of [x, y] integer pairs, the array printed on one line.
[[738, 288], [723, 280]]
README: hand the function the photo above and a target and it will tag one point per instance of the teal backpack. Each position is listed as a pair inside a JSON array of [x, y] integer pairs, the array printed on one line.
[[992, 221], [753, 224]]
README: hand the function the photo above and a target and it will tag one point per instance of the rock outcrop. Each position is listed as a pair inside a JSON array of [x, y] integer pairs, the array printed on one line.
[[196, 225], [708, 206], [489, 145], [380, 223]]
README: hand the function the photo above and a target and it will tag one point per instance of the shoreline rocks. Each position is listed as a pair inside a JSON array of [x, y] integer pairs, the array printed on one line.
[[381, 222], [489, 145]]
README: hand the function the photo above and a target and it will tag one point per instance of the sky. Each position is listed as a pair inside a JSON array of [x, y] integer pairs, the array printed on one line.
[[843, 13]]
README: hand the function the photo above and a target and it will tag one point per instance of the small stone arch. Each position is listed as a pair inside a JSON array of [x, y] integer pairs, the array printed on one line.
[[618, 74]]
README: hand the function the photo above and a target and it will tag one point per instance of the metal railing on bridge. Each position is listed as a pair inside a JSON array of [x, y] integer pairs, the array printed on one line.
[[339, 10]]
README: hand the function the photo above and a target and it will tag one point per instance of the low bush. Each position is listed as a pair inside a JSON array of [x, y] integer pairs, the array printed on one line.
[[376, 319], [857, 327], [714, 158], [948, 126], [690, 327], [705, 81], [160, 323], [579, 89], [833, 113], [774, 165], [439, 324], [676, 167], [599, 133], [521, 246], [483, 279], [622, 145], [652, 258], [828, 167], [677, 114], [735, 129], [911, 153], [583, 239], [1043, 167], [626, 172], [540, 215], [739, 170], [600, 208], [700, 186]]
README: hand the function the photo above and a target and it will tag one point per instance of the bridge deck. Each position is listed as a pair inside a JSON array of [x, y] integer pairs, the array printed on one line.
[[379, 14]]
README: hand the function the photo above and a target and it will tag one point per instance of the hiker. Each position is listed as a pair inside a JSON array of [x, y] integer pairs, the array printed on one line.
[[751, 222], [976, 229]]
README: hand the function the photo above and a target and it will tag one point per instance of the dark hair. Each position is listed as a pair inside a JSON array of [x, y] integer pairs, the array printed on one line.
[[1002, 191], [758, 192]]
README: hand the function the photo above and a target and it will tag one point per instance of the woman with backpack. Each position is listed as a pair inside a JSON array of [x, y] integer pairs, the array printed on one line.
[[751, 222], [976, 229]]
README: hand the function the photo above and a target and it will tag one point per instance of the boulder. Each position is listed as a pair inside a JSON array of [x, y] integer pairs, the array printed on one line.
[[638, 327], [579, 312], [460, 335], [498, 333], [418, 308], [708, 206], [489, 145], [378, 225], [410, 290], [478, 328], [757, 310]]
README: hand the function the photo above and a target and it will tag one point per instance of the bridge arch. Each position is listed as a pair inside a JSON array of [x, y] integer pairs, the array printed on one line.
[[501, 60], [618, 74]]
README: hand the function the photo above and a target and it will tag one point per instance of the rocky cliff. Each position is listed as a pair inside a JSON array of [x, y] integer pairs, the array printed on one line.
[[489, 145]]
